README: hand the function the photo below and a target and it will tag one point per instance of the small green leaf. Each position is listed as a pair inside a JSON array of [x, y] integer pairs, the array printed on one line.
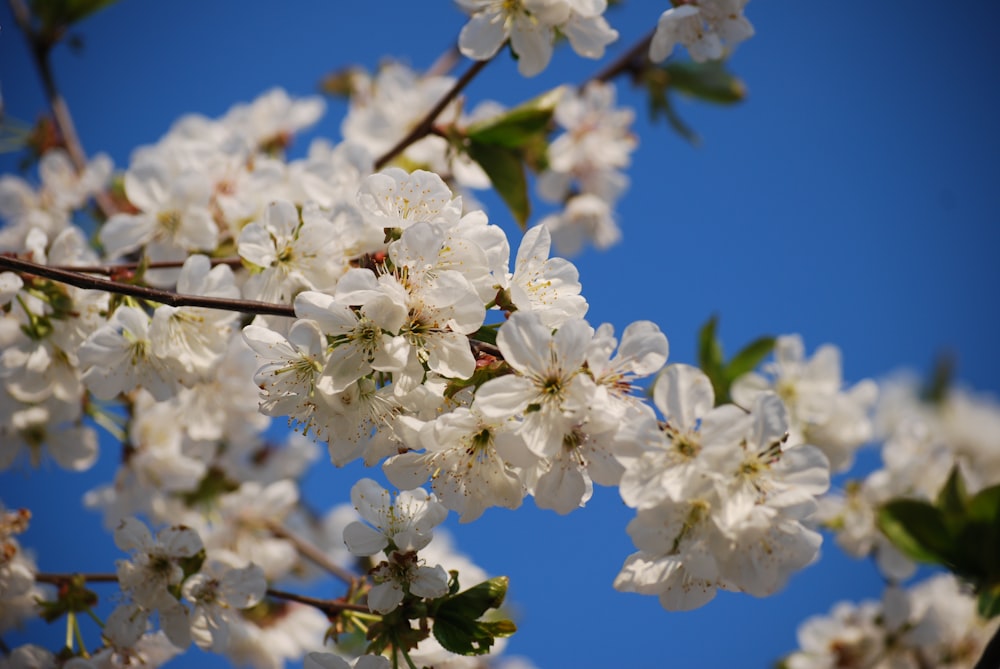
[[518, 126], [456, 624], [918, 530], [748, 358], [984, 515], [988, 602], [710, 357], [937, 386], [709, 81], [506, 171], [660, 105], [952, 499], [57, 15]]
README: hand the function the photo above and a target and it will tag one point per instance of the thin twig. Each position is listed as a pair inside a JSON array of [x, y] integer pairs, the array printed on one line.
[[423, 128], [41, 48], [117, 268], [632, 61], [88, 282], [56, 579], [312, 552], [327, 606]]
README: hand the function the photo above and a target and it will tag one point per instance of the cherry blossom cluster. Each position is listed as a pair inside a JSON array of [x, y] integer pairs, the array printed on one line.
[[923, 441], [531, 27], [722, 495], [176, 384], [585, 166], [706, 28], [18, 590], [931, 624]]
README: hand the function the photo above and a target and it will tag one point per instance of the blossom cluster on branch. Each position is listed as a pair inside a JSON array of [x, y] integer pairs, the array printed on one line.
[[362, 294]]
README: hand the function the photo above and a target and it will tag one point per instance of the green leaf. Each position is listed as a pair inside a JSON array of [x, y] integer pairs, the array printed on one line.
[[710, 357], [57, 15], [984, 520], [748, 358], [953, 499], [988, 602], [456, 624], [709, 81], [660, 105], [506, 170], [519, 126], [937, 386], [918, 530]]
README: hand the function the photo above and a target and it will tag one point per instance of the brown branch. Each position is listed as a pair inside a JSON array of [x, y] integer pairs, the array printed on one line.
[[57, 579], [117, 268], [87, 282], [328, 606], [423, 128], [633, 62], [41, 47], [312, 552]]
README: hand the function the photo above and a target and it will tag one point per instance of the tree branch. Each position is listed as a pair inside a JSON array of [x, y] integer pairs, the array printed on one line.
[[87, 282], [118, 268], [423, 128], [56, 579], [312, 552], [40, 49], [328, 606], [633, 61]]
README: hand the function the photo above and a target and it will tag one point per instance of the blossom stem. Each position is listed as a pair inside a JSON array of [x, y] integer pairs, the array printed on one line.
[[40, 46], [406, 656], [633, 61], [327, 606], [424, 127], [310, 551], [88, 282]]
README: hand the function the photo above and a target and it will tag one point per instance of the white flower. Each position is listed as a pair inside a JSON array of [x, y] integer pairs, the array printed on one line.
[[549, 376], [703, 26], [122, 354], [529, 25], [273, 117], [586, 218], [548, 286], [394, 198], [294, 253], [156, 563], [471, 461], [820, 412], [401, 524], [673, 459], [216, 591], [174, 217], [291, 369], [361, 338]]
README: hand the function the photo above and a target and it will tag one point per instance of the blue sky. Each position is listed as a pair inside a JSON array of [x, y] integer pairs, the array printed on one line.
[[852, 198]]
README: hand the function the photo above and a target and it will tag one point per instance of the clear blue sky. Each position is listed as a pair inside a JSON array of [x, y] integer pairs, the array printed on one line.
[[853, 198]]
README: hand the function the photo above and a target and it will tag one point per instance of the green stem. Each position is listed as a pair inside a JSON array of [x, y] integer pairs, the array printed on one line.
[[409, 660], [70, 617], [79, 636], [96, 618]]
